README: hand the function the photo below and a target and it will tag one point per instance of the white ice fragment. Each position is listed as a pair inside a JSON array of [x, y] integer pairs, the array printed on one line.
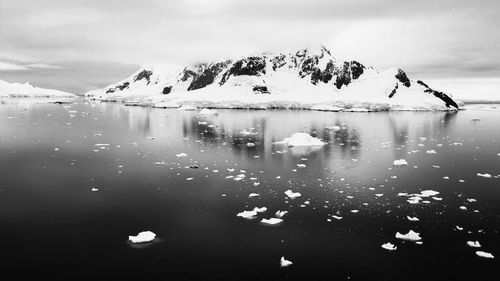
[[301, 139], [250, 144], [280, 213], [271, 221], [187, 107], [337, 217], [206, 111], [432, 151], [412, 218], [400, 163], [474, 244], [301, 165], [463, 208], [284, 262], [389, 246], [410, 236], [181, 155], [260, 210], [142, 237], [253, 195], [292, 194], [94, 189], [247, 214], [484, 175], [484, 255]]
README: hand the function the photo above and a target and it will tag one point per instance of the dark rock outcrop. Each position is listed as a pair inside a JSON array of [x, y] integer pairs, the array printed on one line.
[[444, 97], [260, 89], [145, 74], [207, 75], [401, 76], [252, 66], [167, 90]]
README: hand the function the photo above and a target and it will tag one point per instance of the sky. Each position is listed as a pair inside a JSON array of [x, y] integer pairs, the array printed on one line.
[[79, 45]]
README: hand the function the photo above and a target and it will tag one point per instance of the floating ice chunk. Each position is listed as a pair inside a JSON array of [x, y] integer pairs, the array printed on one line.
[[428, 193], [256, 183], [301, 165], [459, 227], [271, 221], [389, 246], [253, 195], [301, 139], [432, 151], [189, 179], [412, 218], [142, 237], [101, 144], [333, 128], [230, 170], [247, 214], [463, 208], [181, 155], [187, 107], [484, 175], [474, 244], [206, 111], [292, 194], [250, 144], [410, 236], [284, 262], [484, 255], [400, 163], [239, 177], [354, 211], [337, 217], [280, 213], [94, 189], [260, 210]]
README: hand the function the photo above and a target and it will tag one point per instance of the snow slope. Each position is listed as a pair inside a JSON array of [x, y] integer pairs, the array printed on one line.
[[17, 90], [306, 79]]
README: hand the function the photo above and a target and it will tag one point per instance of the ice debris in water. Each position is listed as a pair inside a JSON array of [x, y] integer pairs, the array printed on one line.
[[432, 151], [474, 244], [142, 237], [250, 144], [400, 163], [181, 155], [410, 236], [284, 262], [253, 195], [292, 194], [94, 189], [389, 246], [484, 255], [280, 213], [260, 210], [271, 221], [484, 175], [247, 214], [301, 139], [412, 218], [206, 111]]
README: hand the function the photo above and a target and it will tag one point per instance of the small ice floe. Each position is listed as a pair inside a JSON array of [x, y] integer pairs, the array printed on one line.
[[206, 111], [256, 183], [260, 210], [301, 165], [333, 128], [101, 144], [471, 200], [473, 244], [160, 163], [400, 163], [484, 255], [253, 195], [412, 218], [459, 228], [181, 155], [446, 178], [463, 208], [142, 237], [292, 194], [389, 246], [284, 262], [247, 214], [239, 177], [187, 107], [94, 189], [354, 211], [301, 139], [432, 151], [410, 236], [336, 217], [484, 175], [280, 213], [436, 166], [193, 166], [189, 179], [230, 170], [271, 221], [250, 144]]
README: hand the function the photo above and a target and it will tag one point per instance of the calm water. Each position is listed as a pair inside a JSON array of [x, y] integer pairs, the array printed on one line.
[[53, 227]]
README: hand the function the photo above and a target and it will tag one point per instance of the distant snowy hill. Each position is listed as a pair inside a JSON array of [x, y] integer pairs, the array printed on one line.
[[306, 78], [26, 90]]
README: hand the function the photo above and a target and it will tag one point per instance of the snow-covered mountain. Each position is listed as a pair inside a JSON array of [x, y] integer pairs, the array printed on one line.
[[306, 78], [26, 90]]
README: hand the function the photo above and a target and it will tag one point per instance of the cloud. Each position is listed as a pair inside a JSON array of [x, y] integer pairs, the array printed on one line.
[[447, 37], [7, 66]]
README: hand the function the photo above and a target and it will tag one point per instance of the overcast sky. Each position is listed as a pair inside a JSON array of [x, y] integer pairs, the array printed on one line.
[[78, 45]]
